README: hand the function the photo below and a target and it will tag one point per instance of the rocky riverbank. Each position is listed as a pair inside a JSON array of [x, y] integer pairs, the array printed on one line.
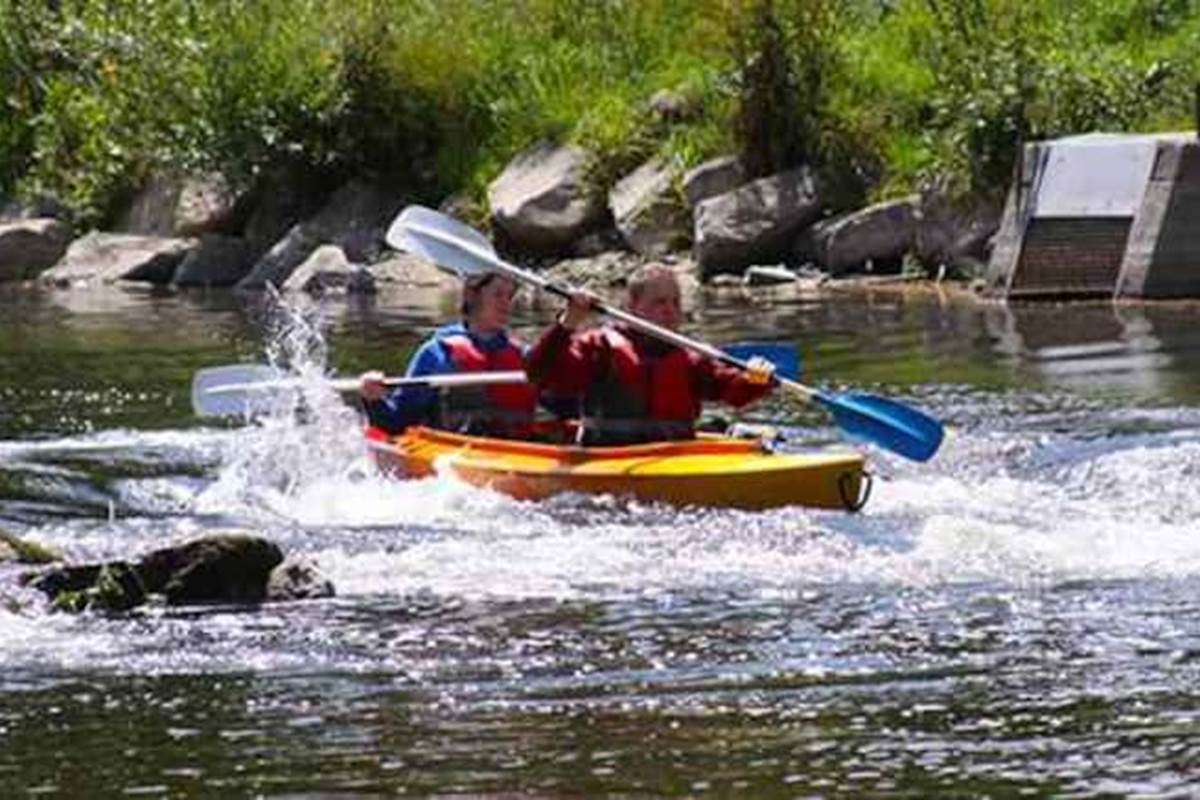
[[715, 223]]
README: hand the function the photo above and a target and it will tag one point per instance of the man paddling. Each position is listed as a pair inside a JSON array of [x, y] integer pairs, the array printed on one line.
[[632, 387], [479, 343]]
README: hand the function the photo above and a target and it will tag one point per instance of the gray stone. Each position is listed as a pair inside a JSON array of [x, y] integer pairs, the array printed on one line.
[[328, 270], [883, 232], [111, 257], [543, 200], [756, 222], [228, 567], [297, 579], [30, 247], [648, 212], [216, 261], [713, 177], [355, 219]]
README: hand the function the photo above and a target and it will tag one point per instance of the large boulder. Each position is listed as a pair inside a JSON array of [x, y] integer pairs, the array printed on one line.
[[182, 205], [221, 567], [355, 219], [229, 567], [881, 234], [543, 200], [648, 212], [111, 257], [713, 177], [217, 260], [30, 247], [755, 223]]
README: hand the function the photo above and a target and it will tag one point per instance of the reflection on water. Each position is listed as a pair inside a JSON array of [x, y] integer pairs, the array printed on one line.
[[1017, 616], [1140, 350]]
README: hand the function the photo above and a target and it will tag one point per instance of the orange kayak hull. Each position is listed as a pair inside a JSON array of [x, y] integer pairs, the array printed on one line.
[[713, 471]]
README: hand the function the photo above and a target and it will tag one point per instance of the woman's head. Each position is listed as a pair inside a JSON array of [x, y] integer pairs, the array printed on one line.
[[487, 302]]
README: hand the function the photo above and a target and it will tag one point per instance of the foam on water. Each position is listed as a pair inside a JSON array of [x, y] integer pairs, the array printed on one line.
[[1004, 504]]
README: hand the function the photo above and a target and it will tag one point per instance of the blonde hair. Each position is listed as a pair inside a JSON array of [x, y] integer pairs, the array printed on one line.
[[645, 275]]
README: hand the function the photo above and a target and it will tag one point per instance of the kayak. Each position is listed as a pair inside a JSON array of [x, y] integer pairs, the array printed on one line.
[[711, 471]]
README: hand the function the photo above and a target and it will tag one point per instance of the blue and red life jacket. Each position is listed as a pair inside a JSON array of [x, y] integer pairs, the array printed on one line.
[[505, 410]]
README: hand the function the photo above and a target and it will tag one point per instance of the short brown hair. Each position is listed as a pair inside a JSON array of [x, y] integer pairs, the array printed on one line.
[[645, 275]]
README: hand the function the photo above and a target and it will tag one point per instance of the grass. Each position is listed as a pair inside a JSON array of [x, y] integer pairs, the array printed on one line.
[[882, 95]]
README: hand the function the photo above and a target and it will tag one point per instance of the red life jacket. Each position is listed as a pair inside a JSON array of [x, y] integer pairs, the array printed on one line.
[[643, 397], [504, 410]]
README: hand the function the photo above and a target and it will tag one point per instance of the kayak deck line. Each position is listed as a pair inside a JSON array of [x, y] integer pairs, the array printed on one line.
[[711, 471]]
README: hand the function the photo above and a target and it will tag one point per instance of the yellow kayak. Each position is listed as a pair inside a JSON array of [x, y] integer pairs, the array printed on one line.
[[712, 471]]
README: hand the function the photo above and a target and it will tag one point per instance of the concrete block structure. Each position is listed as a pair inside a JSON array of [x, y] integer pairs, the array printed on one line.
[[1102, 215]]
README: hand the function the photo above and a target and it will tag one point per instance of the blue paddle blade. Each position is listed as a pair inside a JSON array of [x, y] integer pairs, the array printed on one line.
[[887, 423], [785, 357]]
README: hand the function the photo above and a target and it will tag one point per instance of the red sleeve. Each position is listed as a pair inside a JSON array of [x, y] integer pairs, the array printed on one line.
[[728, 384], [563, 362]]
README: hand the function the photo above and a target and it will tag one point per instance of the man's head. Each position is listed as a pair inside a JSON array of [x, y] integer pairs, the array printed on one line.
[[653, 294], [487, 301]]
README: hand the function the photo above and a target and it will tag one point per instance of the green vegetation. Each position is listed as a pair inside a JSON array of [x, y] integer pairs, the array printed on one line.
[[882, 95]]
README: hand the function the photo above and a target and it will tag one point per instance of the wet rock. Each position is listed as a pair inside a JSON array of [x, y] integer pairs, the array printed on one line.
[[68, 578], [116, 588], [24, 551], [297, 579], [229, 567], [222, 568]]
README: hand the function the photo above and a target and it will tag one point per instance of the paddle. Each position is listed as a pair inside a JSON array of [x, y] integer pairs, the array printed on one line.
[[446, 241], [236, 389]]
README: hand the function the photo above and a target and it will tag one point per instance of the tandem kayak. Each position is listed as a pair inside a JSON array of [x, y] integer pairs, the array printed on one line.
[[712, 471]]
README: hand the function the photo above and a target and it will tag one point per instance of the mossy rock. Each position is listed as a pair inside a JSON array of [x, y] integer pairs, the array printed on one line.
[[117, 588]]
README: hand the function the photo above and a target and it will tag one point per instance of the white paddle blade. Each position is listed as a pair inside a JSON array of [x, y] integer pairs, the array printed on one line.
[[441, 239], [233, 390]]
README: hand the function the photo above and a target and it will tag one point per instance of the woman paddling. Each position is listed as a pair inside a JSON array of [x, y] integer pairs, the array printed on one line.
[[479, 343], [632, 387]]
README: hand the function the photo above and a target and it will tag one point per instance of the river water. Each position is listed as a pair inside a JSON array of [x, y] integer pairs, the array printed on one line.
[[1019, 616]]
